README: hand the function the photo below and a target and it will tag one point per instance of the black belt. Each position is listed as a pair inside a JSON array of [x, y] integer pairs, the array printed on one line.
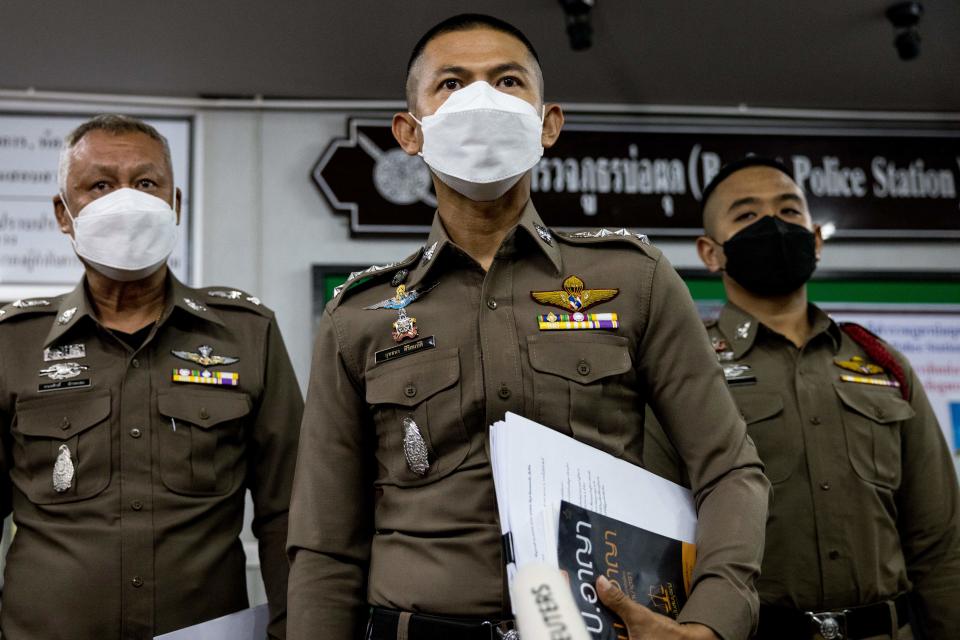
[[780, 623], [385, 622]]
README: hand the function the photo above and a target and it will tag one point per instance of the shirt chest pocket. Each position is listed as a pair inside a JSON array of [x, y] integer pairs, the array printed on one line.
[[416, 409], [585, 385], [202, 444], [871, 423], [71, 433], [780, 447]]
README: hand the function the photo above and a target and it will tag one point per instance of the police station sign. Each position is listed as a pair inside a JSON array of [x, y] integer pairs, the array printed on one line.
[[869, 182]]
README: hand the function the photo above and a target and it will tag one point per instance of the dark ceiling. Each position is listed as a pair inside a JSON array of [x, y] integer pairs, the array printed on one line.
[[814, 54]]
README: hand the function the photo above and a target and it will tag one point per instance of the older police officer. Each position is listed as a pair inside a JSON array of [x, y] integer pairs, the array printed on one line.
[[393, 502], [864, 517], [135, 412]]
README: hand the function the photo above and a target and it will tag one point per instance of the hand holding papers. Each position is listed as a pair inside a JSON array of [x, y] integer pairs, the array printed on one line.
[[535, 468]]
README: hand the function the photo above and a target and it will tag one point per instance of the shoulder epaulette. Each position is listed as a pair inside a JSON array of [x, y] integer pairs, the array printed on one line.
[[371, 274], [597, 236], [227, 297], [29, 306], [876, 348]]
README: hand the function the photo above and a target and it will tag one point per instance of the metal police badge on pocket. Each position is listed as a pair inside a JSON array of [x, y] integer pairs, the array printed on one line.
[[63, 470], [415, 448]]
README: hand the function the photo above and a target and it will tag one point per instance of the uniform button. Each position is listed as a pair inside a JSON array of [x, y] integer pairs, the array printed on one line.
[[815, 420], [583, 368], [410, 391], [504, 391], [136, 581], [204, 414], [825, 486], [834, 555], [492, 304], [135, 363], [879, 412], [65, 424], [135, 433], [136, 505]]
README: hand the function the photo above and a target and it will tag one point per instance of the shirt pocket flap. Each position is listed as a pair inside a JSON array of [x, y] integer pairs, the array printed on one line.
[[203, 409], [758, 405], [583, 359], [410, 384], [880, 405], [62, 418]]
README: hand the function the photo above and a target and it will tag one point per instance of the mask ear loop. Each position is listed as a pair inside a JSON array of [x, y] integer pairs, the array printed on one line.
[[73, 225], [410, 113]]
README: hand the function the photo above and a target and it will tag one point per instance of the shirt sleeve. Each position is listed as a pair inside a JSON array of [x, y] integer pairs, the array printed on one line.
[[331, 509], [689, 396], [929, 519], [273, 443]]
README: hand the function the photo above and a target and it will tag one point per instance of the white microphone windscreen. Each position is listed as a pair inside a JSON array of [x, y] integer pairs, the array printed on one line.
[[544, 606]]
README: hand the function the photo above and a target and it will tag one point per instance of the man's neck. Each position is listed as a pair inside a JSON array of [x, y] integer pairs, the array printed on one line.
[[127, 306], [480, 227], [787, 314]]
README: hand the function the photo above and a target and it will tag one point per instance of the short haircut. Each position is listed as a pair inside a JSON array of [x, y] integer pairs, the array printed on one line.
[[728, 170], [463, 22], [111, 123], [737, 165]]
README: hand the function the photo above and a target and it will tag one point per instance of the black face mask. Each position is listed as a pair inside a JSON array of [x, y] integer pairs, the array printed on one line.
[[771, 257]]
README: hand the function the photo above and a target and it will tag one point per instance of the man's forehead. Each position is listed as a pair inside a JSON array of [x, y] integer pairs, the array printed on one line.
[[99, 146], [757, 181], [475, 48]]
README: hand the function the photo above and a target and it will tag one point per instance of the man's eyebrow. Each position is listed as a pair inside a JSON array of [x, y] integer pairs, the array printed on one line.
[[145, 167], [500, 68], [451, 70], [742, 201]]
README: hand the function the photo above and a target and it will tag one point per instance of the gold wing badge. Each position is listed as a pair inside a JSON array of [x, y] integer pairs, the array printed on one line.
[[574, 296], [205, 357]]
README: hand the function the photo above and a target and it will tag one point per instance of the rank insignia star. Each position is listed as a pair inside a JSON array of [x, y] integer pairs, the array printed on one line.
[[193, 304], [66, 316], [204, 357], [26, 304], [574, 296], [858, 365]]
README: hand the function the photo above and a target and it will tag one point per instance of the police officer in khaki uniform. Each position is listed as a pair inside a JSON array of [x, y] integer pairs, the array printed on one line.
[[135, 412], [393, 504], [865, 506]]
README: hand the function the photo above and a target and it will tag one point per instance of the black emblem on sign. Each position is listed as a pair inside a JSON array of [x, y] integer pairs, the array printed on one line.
[[402, 198]]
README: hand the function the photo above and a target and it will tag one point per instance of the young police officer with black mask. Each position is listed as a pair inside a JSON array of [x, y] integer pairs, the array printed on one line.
[[862, 538]]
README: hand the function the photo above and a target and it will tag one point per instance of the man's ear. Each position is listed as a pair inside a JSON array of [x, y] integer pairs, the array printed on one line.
[[63, 218], [818, 241], [552, 124], [711, 254], [178, 203], [404, 129]]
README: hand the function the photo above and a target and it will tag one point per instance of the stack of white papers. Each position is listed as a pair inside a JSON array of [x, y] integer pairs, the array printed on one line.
[[535, 467], [248, 624]]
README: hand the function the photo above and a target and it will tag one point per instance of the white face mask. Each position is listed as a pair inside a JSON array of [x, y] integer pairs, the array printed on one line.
[[481, 141], [126, 235]]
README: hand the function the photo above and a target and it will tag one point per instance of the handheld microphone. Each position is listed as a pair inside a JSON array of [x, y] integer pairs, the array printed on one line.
[[544, 606]]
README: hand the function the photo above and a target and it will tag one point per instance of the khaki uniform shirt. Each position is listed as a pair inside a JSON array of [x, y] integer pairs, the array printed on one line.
[[144, 539], [865, 499], [365, 528]]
